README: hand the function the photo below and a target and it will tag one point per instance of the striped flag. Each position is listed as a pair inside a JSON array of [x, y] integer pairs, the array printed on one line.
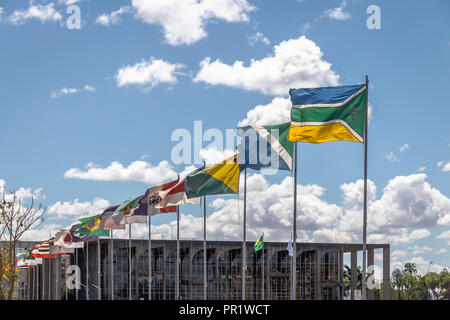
[[107, 222], [175, 196], [328, 114]]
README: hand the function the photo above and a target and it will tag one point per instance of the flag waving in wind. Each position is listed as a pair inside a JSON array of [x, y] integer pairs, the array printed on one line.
[[221, 178], [328, 114], [265, 147], [259, 243]]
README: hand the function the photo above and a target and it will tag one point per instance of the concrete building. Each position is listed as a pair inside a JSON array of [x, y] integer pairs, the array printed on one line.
[[320, 271]]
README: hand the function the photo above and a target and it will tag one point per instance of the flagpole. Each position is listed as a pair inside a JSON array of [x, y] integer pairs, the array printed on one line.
[[364, 292], [112, 265], [205, 278], [99, 294], [129, 262], [87, 270], [294, 245], [149, 257], [244, 251], [76, 263], [204, 249], [177, 274], [262, 275]]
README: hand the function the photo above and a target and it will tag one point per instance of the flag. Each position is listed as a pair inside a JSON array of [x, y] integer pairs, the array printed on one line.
[[78, 237], [107, 221], [175, 196], [42, 251], [290, 249], [265, 147], [63, 238], [221, 178], [128, 208], [328, 114], [153, 198], [259, 243], [89, 226]]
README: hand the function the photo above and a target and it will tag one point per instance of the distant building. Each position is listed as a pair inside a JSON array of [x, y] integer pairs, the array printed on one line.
[[319, 271]]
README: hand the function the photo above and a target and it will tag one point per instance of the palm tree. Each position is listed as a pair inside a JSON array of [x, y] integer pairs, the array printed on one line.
[[397, 281], [410, 268]]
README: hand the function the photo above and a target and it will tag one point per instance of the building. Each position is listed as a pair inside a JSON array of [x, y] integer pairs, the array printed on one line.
[[320, 271]]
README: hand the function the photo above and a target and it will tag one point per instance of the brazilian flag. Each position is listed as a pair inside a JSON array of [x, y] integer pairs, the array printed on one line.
[[90, 226], [221, 178], [259, 243]]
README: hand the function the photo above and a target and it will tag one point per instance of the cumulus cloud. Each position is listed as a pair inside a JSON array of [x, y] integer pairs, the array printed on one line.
[[140, 171], [37, 12], [21, 194], [212, 155], [184, 21], [77, 209], [113, 18], [148, 73], [89, 88], [277, 111], [1, 13], [44, 232], [445, 235], [295, 63], [444, 165]]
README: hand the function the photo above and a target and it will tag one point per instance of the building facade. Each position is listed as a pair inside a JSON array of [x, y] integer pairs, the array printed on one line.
[[319, 275]]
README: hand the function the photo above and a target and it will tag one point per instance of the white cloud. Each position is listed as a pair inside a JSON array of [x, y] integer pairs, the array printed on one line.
[[305, 28], [212, 155], [391, 157], [422, 169], [77, 209], [445, 235], [137, 171], [21, 194], [1, 13], [38, 12], [68, 2], [296, 63], [148, 73], [62, 92], [404, 147], [446, 167], [89, 88], [440, 163], [184, 21], [275, 112], [337, 13], [44, 232], [258, 37], [113, 18]]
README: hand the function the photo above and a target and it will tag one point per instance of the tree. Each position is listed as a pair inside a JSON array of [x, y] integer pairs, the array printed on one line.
[[397, 281], [17, 216]]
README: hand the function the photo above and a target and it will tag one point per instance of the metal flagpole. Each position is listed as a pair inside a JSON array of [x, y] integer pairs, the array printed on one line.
[[112, 265], [244, 251], [87, 270], [294, 244], [177, 273], [65, 264], [364, 292], [129, 262], [76, 263], [149, 257], [99, 288], [205, 278], [204, 249], [262, 274], [57, 276]]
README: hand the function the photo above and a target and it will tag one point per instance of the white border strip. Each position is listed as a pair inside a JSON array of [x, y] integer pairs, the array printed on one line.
[[275, 144], [329, 105]]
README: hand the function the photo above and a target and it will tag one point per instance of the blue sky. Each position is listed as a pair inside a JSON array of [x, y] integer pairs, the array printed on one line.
[[117, 88]]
